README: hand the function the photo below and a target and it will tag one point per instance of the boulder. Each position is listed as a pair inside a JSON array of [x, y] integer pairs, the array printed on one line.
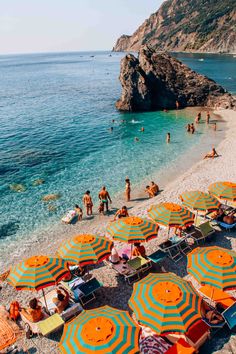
[[49, 197], [155, 81]]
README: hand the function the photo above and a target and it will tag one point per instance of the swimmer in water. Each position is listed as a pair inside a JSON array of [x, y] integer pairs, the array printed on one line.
[[110, 129], [168, 138], [142, 129], [188, 128], [136, 139], [113, 120], [198, 118], [192, 128]]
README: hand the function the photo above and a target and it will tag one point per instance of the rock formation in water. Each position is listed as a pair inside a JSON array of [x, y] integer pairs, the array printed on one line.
[[187, 25], [155, 81]]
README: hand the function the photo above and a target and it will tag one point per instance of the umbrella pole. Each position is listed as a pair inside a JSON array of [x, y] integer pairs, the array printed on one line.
[[131, 250], [211, 298], [45, 301], [168, 231]]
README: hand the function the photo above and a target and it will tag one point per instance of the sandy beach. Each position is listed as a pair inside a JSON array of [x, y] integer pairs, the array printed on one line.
[[114, 292]]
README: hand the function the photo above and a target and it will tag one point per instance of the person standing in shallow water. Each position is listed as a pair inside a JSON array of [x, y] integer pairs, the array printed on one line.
[[104, 197], [192, 128], [88, 203], [168, 138], [127, 189], [208, 117]]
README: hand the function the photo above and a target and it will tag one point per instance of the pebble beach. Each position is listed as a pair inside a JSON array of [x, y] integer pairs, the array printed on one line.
[[116, 292]]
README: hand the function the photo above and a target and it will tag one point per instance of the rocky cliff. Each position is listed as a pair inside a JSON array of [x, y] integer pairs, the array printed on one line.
[[155, 81], [187, 25]]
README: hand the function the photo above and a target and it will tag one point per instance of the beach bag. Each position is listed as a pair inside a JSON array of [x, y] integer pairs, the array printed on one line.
[[14, 310]]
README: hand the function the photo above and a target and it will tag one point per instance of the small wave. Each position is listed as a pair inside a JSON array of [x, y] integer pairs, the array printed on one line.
[[201, 59], [133, 121]]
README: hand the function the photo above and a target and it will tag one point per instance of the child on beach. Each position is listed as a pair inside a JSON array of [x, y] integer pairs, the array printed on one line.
[[79, 212], [101, 208]]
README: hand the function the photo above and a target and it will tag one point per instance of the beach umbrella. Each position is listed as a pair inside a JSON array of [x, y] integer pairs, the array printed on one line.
[[214, 266], [165, 303], [223, 190], [103, 330], [171, 215], [132, 229], [198, 200], [37, 272], [85, 249]]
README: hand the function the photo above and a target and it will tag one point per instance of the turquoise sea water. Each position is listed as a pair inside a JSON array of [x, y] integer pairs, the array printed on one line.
[[55, 115]]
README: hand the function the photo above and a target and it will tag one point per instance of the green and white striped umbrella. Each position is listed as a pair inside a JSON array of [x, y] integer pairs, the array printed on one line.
[[104, 330]]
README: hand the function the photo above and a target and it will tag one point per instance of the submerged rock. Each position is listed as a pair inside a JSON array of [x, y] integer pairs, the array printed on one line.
[[15, 187], [52, 208], [50, 197], [38, 182], [156, 81]]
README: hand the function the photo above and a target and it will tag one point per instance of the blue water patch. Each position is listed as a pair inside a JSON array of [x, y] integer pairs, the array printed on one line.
[[56, 111]]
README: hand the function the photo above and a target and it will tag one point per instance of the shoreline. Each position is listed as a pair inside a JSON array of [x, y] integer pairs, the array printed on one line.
[[199, 176], [55, 232]]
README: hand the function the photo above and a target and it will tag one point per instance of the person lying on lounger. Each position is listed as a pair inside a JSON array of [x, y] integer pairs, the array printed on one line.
[[212, 154], [211, 315], [229, 219], [61, 301]]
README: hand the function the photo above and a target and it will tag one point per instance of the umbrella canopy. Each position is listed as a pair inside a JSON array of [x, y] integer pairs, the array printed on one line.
[[85, 249], [223, 190], [198, 200], [132, 229], [102, 330], [214, 266], [37, 272], [165, 302], [171, 215]]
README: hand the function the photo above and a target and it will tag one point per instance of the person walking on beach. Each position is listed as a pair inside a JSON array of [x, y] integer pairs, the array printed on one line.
[[88, 203], [168, 138], [208, 117], [214, 126], [104, 197], [127, 189]]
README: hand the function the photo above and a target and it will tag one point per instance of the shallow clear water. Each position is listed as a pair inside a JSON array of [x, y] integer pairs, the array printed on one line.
[[55, 115]]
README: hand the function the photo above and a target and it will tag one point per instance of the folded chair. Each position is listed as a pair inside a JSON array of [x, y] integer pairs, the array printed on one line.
[[225, 226]]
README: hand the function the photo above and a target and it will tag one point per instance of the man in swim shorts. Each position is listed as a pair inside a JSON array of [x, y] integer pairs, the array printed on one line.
[[104, 197]]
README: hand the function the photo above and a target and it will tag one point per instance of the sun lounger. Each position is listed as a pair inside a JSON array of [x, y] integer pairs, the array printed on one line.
[[125, 270], [50, 324], [196, 336], [172, 250], [69, 217], [225, 226], [230, 317], [217, 295], [88, 290], [157, 256], [202, 232], [33, 326], [181, 347], [140, 264]]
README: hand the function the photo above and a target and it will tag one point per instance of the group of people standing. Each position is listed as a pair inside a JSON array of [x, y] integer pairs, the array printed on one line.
[[105, 199], [190, 128]]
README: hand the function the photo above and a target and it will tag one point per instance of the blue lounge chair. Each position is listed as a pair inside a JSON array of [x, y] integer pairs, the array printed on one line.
[[225, 226]]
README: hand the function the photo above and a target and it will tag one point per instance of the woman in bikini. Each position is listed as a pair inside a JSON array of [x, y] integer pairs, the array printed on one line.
[[88, 203]]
